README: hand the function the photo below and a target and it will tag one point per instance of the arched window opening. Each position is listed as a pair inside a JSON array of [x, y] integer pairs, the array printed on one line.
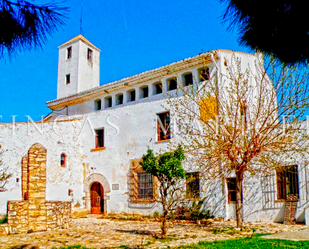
[[63, 160]]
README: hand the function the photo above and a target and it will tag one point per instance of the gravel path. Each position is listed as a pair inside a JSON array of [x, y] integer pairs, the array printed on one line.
[[99, 232]]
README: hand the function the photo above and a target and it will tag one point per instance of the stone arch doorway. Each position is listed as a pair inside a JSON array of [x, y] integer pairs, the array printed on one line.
[[97, 198], [94, 182]]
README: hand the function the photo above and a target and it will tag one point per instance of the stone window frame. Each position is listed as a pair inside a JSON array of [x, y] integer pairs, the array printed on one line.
[[135, 168]]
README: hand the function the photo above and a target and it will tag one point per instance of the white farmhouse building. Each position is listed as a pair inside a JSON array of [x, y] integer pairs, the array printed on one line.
[[95, 136]]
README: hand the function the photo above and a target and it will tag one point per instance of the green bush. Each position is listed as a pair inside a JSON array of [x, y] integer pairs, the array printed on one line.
[[4, 220]]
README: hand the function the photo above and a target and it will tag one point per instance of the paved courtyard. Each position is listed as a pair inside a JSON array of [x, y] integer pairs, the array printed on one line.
[[296, 235], [101, 232]]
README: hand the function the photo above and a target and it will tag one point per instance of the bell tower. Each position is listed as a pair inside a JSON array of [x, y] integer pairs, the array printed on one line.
[[78, 67]]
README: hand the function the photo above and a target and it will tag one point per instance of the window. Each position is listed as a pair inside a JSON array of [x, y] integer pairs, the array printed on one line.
[[193, 185], [144, 92], [63, 160], [97, 104], [119, 99], [188, 79], [204, 74], [67, 79], [99, 138], [163, 126], [231, 187], [131, 95], [69, 53], [171, 84], [108, 102], [89, 55], [145, 186], [287, 182], [157, 88]]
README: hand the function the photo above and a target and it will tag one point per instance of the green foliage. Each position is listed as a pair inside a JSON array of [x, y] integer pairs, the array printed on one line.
[[250, 243], [28, 24], [264, 35], [167, 169], [4, 220], [166, 165]]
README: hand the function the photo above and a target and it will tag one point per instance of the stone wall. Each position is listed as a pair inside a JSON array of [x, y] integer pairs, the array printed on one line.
[[34, 213]]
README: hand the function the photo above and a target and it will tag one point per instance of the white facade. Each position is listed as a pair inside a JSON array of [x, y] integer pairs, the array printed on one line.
[[79, 63], [130, 128]]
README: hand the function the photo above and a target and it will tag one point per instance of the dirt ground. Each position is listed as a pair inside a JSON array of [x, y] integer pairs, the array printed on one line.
[[137, 232]]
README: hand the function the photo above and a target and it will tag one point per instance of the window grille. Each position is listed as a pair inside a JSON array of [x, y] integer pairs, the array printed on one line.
[[287, 182], [145, 186]]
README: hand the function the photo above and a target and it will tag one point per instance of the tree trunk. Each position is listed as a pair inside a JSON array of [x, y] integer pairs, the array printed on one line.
[[164, 226], [165, 213], [239, 178]]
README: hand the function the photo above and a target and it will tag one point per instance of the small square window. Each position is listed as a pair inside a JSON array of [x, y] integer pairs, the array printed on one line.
[[144, 92], [97, 104], [157, 88], [89, 55], [108, 102], [171, 84], [188, 79], [69, 53], [131, 95], [163, 126], [99, 138], [193, 185], [68, 79], [119, 99]]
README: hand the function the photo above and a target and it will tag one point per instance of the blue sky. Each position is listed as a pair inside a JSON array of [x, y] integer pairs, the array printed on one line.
[[134, 36]]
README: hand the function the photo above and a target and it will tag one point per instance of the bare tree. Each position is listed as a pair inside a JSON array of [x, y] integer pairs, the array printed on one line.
[[235, 120], [4, 176], [25, 25]]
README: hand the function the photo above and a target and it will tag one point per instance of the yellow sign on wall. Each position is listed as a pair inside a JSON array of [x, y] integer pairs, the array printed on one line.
[[209, 108]]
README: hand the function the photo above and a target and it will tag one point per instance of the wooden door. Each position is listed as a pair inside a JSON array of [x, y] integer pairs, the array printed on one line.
[[97, 201]]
